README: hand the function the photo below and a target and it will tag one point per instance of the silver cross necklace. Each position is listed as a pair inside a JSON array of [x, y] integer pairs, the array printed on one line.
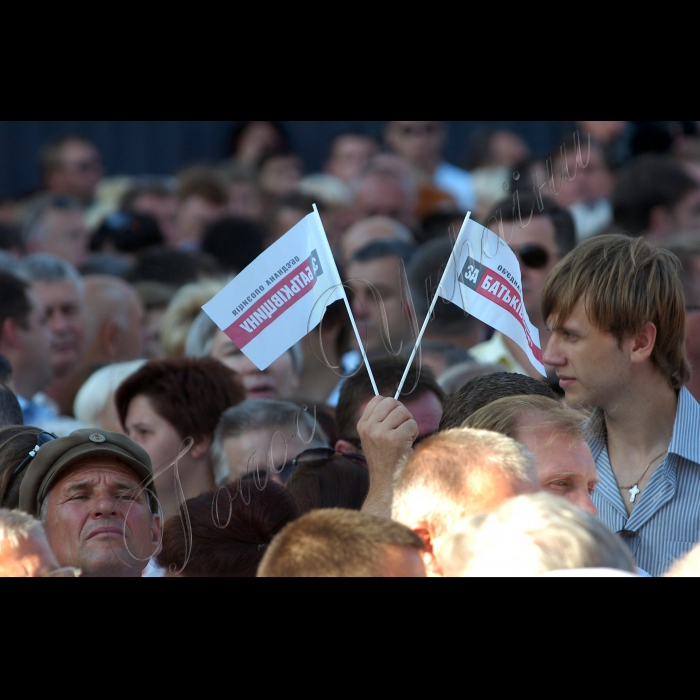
[[634, 488]]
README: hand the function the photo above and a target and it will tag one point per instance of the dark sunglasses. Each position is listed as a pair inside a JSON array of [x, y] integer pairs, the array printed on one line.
[[324, 453], [533, 256], [41, 439], [417, 130]]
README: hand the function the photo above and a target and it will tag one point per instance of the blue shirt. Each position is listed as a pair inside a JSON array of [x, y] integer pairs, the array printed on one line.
[[666, 518]]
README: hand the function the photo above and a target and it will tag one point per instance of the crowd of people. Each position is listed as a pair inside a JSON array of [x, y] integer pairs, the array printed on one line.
[[136, 439]]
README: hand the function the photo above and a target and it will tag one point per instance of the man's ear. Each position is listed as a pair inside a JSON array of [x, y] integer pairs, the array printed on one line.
[[156, 533], [345, 446], [432, 566], [660, 220], [9, 334], [643, 342], [108, 338], [200, 446]]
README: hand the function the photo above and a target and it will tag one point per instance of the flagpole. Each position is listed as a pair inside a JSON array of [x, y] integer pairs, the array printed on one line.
[[432, 306], [347, 306]]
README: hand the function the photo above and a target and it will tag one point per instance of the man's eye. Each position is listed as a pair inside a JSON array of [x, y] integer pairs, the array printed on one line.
[[78, 497], [559, 484]]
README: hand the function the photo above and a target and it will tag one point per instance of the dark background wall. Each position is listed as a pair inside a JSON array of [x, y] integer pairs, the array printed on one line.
[[163, 147]]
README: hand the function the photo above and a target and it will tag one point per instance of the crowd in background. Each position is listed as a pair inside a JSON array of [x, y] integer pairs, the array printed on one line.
[[111, 374]]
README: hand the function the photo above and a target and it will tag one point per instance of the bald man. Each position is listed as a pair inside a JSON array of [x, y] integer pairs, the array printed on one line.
[[115, 318], [373, 228]]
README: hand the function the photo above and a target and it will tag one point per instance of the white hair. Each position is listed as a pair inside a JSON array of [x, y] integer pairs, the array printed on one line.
[[16, 526], [97, 391], [45, 267], [529, 536]]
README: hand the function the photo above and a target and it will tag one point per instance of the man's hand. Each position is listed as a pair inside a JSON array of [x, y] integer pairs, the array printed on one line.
[[387, 431]]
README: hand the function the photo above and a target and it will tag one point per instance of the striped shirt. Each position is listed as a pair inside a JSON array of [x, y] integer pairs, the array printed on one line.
[[665, 520]]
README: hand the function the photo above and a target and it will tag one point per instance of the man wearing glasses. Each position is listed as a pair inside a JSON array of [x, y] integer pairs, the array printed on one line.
[[539, 243]]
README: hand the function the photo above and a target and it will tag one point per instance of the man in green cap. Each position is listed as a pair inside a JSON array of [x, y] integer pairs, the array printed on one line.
[[93, 492]]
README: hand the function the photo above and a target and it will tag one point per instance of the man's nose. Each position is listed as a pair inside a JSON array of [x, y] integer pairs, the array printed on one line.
[[552, 354], [104, 506], [585, 502]]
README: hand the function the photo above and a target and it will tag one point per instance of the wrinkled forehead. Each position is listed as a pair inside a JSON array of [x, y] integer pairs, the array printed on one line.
[[107, 469]]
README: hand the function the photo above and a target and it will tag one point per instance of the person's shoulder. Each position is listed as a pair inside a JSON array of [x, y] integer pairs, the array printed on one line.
[[447, 170]]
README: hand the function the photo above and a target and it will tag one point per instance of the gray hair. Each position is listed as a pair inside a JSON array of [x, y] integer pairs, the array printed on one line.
[[449, 475], [32, 222], [200, 340], [531, 535], [16, 526], [44, 267], [259, 414], [99, 388]]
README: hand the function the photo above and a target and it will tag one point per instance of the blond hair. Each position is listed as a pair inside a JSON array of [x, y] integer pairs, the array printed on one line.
[[182, 311], [334, 542], [624, 283], [503, 416], [456, 473]]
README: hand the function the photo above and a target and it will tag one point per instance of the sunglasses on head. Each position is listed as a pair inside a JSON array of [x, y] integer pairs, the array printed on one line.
[[533, 256], [41, 439], [324, 453]]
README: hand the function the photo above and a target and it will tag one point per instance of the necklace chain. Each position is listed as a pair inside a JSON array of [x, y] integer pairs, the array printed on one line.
[[643, 473]]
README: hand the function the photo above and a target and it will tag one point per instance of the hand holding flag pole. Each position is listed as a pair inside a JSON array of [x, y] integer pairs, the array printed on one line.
[[430, 310]]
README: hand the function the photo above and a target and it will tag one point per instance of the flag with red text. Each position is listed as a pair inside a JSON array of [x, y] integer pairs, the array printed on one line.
[[281, 295], [483, 278]]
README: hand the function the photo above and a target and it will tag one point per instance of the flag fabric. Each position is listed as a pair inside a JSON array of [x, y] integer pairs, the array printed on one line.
[[483, 278], [281, 295]]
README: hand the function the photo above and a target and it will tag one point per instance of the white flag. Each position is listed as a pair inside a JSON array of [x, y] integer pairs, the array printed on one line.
[[483, 278], [281, 295]]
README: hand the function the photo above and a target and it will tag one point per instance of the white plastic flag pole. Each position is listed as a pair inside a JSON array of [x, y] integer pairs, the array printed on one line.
[[347, 305], [430, 310]]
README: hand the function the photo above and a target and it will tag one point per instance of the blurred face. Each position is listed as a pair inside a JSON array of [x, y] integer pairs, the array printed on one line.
[[565, 465], [380, 195], [266, 449], [258, 139], [32, 370], [538, 235], [286, 218], [592, 367], [130, 339], [65, 320], [350, 154], [163, 208], [685, 216], [193, 217], [80, 171], [152, 349], [508, 149], [361, 234], [97, 520], [280, 175], [32, 557], [244, 200], [587, 184], [65, 235], [418, 142], [278, 381]]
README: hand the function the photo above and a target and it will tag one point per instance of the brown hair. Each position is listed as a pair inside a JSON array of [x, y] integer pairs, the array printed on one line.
[[387, 374], [191, 394], [203, 182], [14, 300], [502, 416], [335, 542], [624, 283], [15, 443], [334, 482], [482, 390], [231, 527]]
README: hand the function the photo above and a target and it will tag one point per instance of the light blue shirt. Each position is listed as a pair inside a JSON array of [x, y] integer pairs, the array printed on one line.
[[666, 518], [457, 182]]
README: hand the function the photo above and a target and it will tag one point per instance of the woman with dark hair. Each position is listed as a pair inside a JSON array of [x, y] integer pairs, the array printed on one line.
[[225, 532], [17, 442], [167, 401], [333, 480]]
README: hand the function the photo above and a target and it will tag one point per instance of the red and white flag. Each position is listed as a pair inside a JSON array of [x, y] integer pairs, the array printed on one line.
[[483, 278], [281, 295]]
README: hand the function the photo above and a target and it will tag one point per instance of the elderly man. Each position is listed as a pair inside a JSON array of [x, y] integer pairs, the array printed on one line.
[[59, 287], [24, 550], [55, 224], [90, 491], [374, 228]]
